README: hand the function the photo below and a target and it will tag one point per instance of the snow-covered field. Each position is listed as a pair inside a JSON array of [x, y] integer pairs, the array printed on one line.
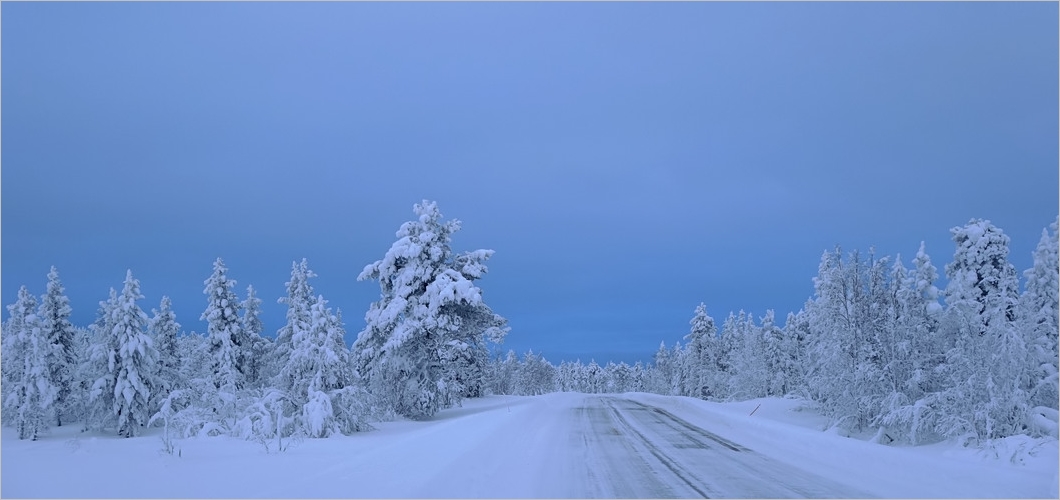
[[556, 445]]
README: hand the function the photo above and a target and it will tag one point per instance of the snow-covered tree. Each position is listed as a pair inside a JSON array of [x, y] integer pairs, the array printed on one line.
[[54, 315], [504, 372], [299, 299], [317, 373], [97, 369], [401, 350], [77, 405], [127, 358], [985, 366], [701, 344], [29, 386], [777, 361], [619, 377], [844, 340], [796, 343], [164, 329], [748, 378], [661, 379], [913, 354], [257, 349], [1041, 305], [224, 330], [11, 366]]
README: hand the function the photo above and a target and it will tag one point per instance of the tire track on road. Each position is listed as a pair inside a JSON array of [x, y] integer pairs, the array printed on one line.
[[679, 471], [715, 466], [672, 419]]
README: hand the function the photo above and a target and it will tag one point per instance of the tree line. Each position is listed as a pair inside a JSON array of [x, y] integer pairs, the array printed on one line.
[[424, 348], [877, 347]]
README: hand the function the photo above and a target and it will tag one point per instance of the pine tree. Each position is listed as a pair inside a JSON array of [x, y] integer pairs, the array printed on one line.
[[777, 361], [796, 341], [224, 331], [77, 406], [1041, 323], [318, 365], [164, 329], [701, 343], [54, 316], [728, 346], [100, 366], [663, 373], [401, 350], [127, 358], [298, 301], [986, 364], [257, 349], [12, 345], [30, 388]]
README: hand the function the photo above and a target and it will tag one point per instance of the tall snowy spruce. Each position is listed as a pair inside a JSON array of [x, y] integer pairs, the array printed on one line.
[[702, 342], [224, 330], [778, 363], [796, 341], [127, 358], [54, 315], [986, 357], [164, 329], [465, 353], [10, 357], [315, 372], [1041, 319], [299, 298], [30, 391], [424, 292], [98, 368], [257, 348]]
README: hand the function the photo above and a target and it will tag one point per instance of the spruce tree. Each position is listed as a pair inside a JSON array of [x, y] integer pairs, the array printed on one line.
[[54, 317], [224, 331], [701, 343], [298, 301], [99, 368], [257, 348], [127, 360], [401, 351], [164, 329], [31, 390], [1041, 305], [987, 360]]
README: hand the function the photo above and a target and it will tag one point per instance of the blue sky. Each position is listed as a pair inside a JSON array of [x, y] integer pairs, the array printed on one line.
[[626, 161]]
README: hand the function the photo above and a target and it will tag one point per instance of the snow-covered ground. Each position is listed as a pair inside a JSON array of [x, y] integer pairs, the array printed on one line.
[[557, 445]]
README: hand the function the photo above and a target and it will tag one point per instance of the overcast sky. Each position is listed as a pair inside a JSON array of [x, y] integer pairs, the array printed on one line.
[[626, 161]]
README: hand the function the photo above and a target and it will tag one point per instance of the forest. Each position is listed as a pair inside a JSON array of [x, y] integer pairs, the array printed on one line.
[[878, 348]]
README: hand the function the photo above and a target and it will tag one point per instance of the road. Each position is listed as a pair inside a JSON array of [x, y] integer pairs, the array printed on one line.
[[632, 450]]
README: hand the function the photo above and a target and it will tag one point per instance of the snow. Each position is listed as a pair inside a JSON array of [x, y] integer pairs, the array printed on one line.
[[778, 429], [503, 446]]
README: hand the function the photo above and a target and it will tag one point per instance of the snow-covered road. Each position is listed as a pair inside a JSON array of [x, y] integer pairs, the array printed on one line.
[[563, 445], [637, 450]]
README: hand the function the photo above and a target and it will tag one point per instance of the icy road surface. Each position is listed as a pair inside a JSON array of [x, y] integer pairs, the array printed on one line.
[[636, 450]]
